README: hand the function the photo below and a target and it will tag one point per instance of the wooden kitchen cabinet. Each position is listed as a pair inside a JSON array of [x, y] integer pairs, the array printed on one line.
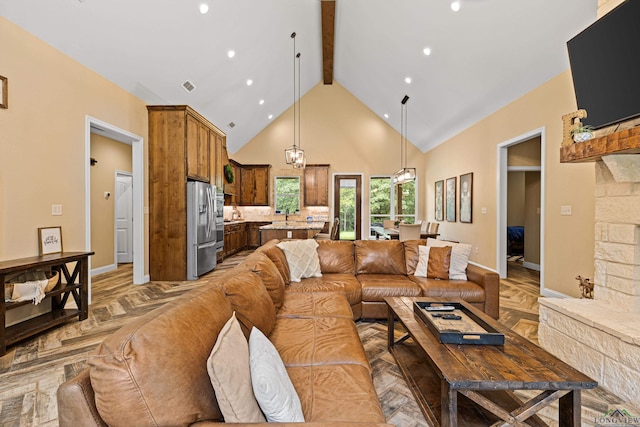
[[218, 158], [179, 149], [254, 185], [198, 154], [235, 238], [232, 190], [316, 185], [253, 234]]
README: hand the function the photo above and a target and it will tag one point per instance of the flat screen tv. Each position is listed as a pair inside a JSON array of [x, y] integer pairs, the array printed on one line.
[[605, 66]]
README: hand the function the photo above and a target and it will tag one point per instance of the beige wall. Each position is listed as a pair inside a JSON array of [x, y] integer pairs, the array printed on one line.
[[336, 129], [112, 156], [568, 245], [532, 186], [515, 199], [42, 139]]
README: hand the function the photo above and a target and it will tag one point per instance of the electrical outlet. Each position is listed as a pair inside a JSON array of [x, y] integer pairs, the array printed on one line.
[[289, 234], [565, 210], [477, 250], [484, 210], [56, 210]]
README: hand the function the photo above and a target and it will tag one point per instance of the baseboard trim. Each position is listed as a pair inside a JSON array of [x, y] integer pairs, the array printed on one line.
[[531, 266], [104, 269]]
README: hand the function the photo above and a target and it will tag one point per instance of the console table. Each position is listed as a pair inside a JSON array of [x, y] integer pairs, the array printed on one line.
[[74, 283]]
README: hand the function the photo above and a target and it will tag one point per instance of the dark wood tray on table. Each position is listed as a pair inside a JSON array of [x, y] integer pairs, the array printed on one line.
[[453, 323]]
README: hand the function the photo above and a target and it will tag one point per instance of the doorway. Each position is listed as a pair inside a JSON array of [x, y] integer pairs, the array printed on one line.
[[533, 177], [93, 125], [348, 205]]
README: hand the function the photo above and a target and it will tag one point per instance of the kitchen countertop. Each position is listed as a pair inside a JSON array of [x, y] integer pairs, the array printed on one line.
[[294, 225]]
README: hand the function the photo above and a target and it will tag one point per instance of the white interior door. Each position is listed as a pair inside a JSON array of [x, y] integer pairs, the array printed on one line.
[[124, 217]]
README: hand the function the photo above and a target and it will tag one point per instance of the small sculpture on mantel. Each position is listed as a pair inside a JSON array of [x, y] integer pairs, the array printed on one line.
[[586, 287]]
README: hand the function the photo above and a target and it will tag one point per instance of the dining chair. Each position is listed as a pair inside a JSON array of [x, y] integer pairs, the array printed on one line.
[[332, 234], [388, 223], [425, 227], [409, 231], [433, 228]]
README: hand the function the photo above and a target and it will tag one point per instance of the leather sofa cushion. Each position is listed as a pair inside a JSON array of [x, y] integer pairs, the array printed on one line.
[[377, 286], [278, 257], [318, 341], [250, 300], [468, 291], [260, 263], [380, 257], [336, 256], [315, 304], [336, 393], [141, 373], [411, 254], [346, 283]]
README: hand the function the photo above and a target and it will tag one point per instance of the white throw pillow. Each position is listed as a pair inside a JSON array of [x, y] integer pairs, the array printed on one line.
[[302, 257], [423, 261], [459, 257], [230, 374], [271, 383]]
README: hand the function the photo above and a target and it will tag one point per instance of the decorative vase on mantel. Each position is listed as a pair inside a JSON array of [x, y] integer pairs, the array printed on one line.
[[583, 133]]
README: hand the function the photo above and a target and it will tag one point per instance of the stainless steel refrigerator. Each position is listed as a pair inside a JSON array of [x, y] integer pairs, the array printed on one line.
[[201, 229]]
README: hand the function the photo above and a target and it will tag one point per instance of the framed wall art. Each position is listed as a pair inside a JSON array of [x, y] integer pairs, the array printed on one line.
[[50, 240], [439, 209], [466, 197], [450, 199], [4, 92]]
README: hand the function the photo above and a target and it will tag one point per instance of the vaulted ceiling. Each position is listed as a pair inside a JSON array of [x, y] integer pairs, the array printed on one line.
[[482, 57]]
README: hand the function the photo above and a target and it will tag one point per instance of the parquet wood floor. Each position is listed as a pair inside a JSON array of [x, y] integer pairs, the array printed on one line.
[[31, 371]]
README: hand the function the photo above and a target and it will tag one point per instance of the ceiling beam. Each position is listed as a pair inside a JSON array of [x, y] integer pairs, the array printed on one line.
[[328, 26]]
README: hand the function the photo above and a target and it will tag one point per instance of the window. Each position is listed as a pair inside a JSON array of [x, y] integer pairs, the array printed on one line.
[[379, 201], [406, 202], [287, 194], [387, 201]]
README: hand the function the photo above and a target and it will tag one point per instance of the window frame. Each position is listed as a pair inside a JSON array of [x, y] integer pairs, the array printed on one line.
[[276, 194]]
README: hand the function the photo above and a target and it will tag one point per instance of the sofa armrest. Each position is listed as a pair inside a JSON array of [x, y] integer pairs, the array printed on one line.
[[490, 282], [76, 402]]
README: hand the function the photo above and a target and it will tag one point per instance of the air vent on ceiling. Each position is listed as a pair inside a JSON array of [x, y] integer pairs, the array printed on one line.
[[188, 86], [231, 125]]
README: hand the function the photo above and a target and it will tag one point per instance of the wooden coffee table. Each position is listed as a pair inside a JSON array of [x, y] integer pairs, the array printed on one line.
[[472, 385]]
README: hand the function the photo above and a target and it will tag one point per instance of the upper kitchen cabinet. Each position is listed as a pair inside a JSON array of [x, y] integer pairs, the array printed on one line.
[[254, 185], [316, 185], [181, 147], [232, 189], [218, 146]]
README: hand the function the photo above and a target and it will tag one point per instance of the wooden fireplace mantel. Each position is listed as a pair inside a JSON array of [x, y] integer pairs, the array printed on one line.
[[623, 142]]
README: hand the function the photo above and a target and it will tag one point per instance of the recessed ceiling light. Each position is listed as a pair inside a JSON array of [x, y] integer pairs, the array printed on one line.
[[270, 116], [426, 51], [204, 8], [231, 53], [455, 6], [249, 82], [261, 102], [407, 80], [386, 116]]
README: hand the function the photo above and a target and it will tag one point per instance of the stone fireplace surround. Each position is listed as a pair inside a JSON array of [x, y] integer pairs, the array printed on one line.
[[601, 337]]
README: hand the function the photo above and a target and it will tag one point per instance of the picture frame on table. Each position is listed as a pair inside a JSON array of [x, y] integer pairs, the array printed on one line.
[[439, 207], [50, 240], [450, 199], [4, 92], [466, 198]]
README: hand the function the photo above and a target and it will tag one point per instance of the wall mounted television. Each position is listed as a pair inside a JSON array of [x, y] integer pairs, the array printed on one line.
[[605, 66]]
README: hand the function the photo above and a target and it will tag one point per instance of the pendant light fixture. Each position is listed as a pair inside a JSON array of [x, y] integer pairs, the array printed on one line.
[[294, 155], [405, 174]]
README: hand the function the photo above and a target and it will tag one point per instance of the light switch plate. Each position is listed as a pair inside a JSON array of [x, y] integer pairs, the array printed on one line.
[[565, 210], [56, 210]]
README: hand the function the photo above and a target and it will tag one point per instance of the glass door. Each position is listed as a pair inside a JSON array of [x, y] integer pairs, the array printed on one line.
[[348, 205]]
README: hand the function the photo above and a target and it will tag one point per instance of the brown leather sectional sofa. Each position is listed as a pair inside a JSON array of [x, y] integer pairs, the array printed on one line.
[[153, 370]]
